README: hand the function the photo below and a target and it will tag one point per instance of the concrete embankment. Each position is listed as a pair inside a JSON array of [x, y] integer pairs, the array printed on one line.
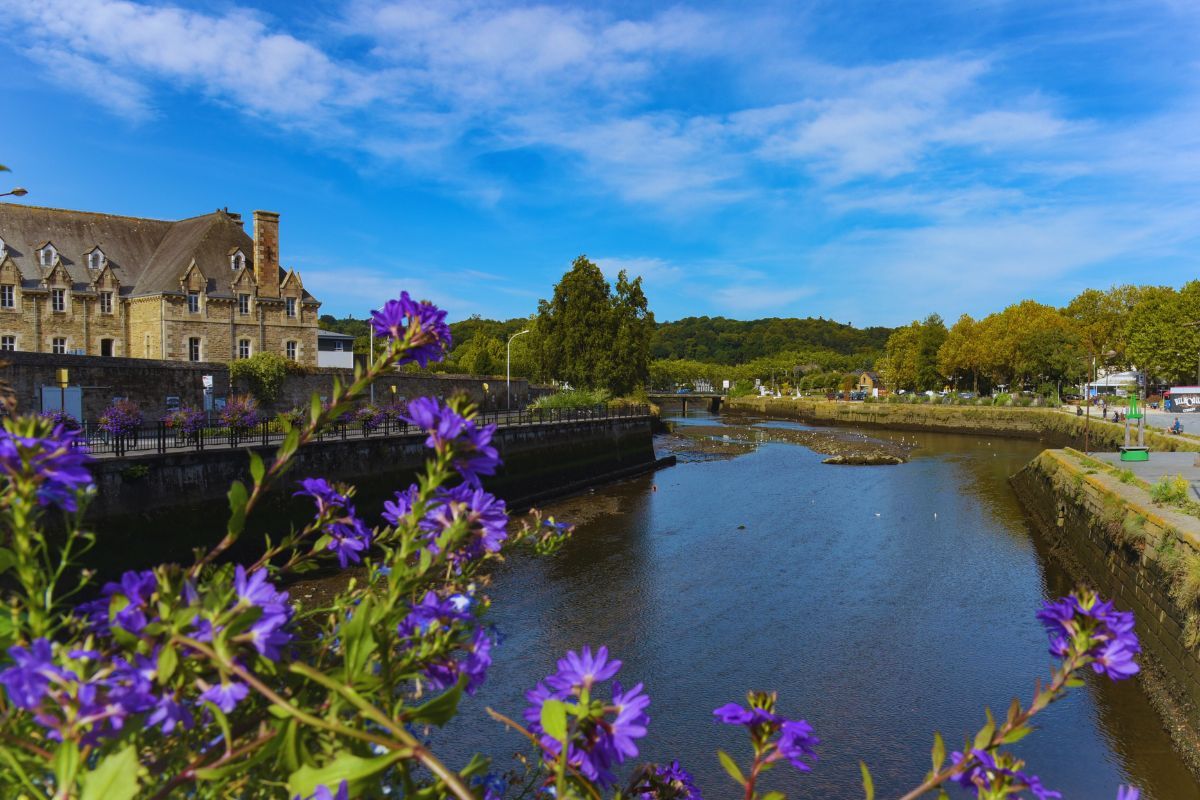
[[1144, 556], [152, 508], [1048, 425]]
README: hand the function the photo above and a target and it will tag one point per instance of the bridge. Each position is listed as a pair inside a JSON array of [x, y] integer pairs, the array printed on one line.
[[711, 399]]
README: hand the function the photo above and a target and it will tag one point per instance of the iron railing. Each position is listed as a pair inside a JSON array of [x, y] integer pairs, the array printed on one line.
[[161, 438]]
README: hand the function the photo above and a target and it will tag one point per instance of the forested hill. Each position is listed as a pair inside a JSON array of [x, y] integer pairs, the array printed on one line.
[[731, 341]]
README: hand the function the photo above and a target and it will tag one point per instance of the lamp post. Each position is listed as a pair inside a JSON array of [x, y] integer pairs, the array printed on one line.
[[17, 192], [508, 368]]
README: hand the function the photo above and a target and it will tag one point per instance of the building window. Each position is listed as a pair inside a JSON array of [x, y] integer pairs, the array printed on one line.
[[3, 248], [243, 304], [46, 255], [8, 296], [8, 343], [291, 307], [243, 348], [194, 348], [237, 260], [59, 345], [95, 259], [339, 346], [106, 348], [193, 302], [106, 302], [290, 349], [58, 299]]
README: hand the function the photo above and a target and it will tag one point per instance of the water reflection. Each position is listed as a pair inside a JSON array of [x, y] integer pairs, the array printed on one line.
[[883, 603]]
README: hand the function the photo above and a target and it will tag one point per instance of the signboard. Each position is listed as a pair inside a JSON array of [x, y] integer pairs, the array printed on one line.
[[724, 385], [207, 382], [172, 403]]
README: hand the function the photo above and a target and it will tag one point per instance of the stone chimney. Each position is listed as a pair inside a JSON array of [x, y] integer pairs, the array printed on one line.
[[266, 253]]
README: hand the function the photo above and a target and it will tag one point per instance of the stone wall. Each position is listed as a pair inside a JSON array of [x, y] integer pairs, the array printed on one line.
[[1042, 424], [1086, 515], [157, 507], [149, 382]]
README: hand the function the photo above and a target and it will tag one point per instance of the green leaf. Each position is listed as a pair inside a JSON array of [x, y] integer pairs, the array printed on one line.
[[237, 507], [168, 660], [257, 470], [66, 763], [774, 796], [358, 639], [440, 709], [939, 752], [868, 784], [984, 737], [114, 778], [8, 559], [344, 767], [731, 767], [554, 719]]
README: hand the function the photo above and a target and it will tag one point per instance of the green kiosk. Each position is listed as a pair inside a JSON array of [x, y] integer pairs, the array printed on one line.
[[1132, 452]]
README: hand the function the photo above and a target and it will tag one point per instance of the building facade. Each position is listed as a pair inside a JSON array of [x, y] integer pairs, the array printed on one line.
[[198, 289]]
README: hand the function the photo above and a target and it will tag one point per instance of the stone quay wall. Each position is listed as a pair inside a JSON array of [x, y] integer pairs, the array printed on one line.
[[1048, 425], [1109, 535], [152, 508], [150, 382]]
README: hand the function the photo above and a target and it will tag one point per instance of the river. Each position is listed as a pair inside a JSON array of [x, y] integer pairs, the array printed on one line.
[[882, 603]]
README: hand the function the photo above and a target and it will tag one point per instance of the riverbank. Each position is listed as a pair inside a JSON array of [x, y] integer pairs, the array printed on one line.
[[1102, 524], [1052, 426]]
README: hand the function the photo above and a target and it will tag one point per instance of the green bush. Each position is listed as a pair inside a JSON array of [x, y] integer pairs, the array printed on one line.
[[1170, 490], [574, 398], [264, 372], [1002, 399]]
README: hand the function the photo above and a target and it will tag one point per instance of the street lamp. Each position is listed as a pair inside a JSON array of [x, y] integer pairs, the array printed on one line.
[[508, 367], [17, 192]]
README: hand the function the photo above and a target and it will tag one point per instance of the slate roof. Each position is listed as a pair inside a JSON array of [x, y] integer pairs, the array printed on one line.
[[147, 256]]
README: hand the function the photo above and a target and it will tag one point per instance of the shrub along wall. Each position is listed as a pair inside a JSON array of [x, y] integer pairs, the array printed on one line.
[[1042, 424], [1144, 557]]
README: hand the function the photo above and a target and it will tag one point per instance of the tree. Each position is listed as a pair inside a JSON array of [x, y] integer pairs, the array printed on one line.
[[911, 357], [1158, 341], [591, 337], [932, 334]]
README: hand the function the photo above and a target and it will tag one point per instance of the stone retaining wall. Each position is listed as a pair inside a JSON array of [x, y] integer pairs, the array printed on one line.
[[1043, 424], [153, 508], [1081, 511]]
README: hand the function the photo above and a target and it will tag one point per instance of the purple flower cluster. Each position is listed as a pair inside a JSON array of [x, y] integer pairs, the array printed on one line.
[[796, 741], [188, 421], [325, 793], [449, 431], [267, 633], [370, 417], [122, 418], [604, 735], [430, 335], [450, 514], [988, 773], [348, 535], [240, 413], [1093, 628], [472, 656], [667, 782], [59, 417], [55, 463]]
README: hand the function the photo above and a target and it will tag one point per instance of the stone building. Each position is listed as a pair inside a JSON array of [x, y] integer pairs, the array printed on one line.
[[196, 289]]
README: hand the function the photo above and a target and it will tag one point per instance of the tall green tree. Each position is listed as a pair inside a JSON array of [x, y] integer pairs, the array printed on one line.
[[592, 338], [1159, 341]]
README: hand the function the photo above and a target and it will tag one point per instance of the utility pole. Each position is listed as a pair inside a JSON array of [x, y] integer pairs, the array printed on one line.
[[508, 368]]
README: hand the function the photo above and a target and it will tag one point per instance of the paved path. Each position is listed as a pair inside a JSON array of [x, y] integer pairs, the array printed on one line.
[[1159, 465]]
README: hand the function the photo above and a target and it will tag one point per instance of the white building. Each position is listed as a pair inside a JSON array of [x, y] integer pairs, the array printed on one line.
[[335, 350]]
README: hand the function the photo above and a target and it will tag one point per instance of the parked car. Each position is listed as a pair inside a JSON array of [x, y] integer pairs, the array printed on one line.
[[967, 395]]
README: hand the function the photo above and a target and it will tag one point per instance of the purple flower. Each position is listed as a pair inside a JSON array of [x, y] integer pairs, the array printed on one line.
[[434, 610], [266, 633], [987, 773], [28, 680], [430, 335], [328, 499], [603, 734], [225, 696], [667, 782], [472, 454], [348, 538], [493, 786], [132, 598], [1103, 636], [1128, 793], [581, 670], [186, 420], [168, 713], [324, 793], [733, 714], [240, 413], [56, 462], [795, 741], [398, 509], [483, 516]]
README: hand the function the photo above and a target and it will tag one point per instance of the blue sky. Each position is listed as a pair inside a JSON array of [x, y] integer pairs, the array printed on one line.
[[866, 162]]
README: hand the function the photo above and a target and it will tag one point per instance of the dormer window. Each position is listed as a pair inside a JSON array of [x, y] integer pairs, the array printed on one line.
[[3, 248], [47, 255], [96, 259], [237, 260]]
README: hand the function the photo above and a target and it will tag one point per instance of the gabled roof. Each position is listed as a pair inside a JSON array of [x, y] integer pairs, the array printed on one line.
[[147, 256]]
